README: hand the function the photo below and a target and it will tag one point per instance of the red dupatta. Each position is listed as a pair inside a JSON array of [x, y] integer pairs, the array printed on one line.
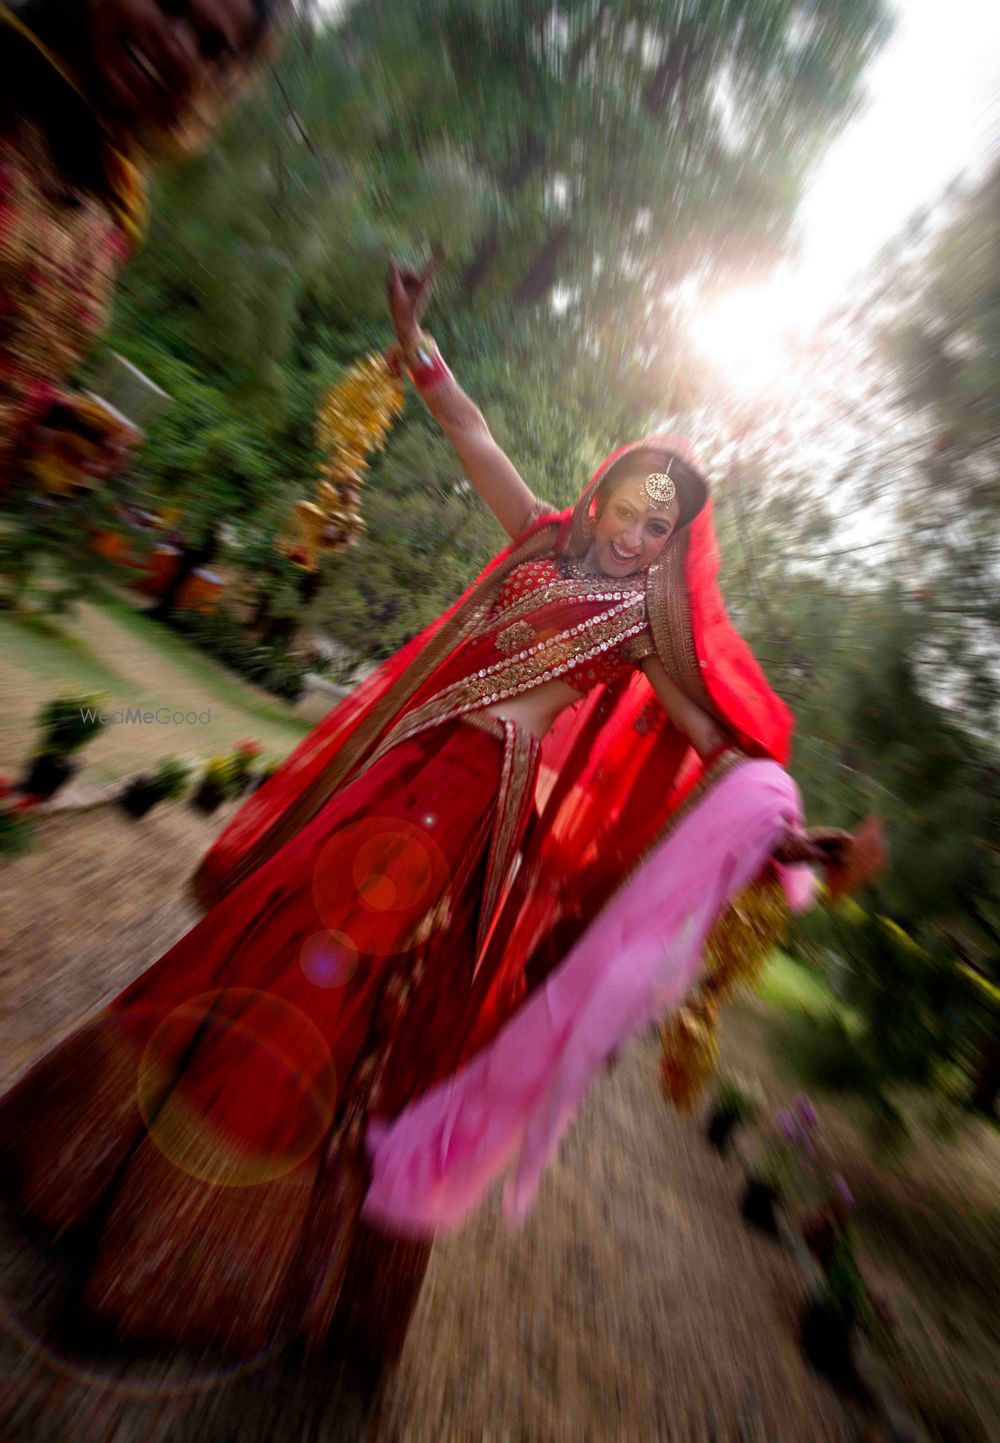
[[614, 767]]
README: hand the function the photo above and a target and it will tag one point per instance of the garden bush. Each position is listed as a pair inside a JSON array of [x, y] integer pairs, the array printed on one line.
[[219, 633]]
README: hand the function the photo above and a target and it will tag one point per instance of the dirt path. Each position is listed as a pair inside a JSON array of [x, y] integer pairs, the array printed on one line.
[[633, 1305]]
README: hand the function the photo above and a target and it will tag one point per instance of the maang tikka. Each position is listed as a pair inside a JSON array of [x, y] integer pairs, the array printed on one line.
[[658, 487]]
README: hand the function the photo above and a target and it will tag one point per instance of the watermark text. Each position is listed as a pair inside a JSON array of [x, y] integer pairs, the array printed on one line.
[[136, 716]]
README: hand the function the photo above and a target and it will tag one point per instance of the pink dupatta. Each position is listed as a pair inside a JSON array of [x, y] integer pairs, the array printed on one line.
[[638, 959]]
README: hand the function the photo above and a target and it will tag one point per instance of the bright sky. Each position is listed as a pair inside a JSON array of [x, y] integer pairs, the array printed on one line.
[[933, 111]]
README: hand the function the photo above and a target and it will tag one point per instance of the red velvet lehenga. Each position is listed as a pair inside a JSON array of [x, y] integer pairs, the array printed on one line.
[[364, 936]]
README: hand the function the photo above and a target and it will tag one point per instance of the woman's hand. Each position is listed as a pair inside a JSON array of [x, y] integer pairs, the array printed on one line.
[[408, 293], [487, 467], [850, 860], [824, 846]]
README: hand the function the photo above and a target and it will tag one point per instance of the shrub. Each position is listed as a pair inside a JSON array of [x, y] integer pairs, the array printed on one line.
[[777, 1167], [242, 760], [216, 784], [218, 773], [167, 781], [69, 721], [845, 1292], [16, 832], [735, 1099], [170, 777], [734, 1102], [273, 668]]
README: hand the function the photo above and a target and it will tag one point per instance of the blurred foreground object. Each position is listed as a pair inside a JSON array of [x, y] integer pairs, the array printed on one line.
[[86, 436], [739, 945], [66, 226], [84, 105], [79, 442], [864, 860], [354, 419]]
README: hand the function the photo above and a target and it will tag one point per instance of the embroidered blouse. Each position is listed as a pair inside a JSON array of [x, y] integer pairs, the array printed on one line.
[[551, 578], [548, 620]]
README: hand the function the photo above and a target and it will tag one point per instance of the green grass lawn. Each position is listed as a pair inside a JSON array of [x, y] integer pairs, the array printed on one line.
[[210, 674], [111, 648], [57, 657]]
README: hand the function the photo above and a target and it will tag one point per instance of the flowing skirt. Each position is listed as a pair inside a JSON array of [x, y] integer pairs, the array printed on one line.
[[201, 1139], [638, 960]]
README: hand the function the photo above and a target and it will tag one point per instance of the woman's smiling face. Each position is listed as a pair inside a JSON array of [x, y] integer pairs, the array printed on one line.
[[629, 532]]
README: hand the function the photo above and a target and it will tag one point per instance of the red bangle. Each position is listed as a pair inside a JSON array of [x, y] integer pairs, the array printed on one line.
[[427, 369]]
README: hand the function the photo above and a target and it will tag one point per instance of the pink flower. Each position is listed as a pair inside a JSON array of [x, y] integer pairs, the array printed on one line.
[[843, 1191], [805, 1112], [787, 1123]]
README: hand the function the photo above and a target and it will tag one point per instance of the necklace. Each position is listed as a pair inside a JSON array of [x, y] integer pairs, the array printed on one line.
[[573, 569]]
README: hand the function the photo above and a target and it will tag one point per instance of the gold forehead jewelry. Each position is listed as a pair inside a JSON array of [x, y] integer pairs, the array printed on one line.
[[658, 488]]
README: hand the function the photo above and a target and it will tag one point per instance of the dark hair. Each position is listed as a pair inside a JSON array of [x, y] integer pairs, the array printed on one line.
[[692, 488]]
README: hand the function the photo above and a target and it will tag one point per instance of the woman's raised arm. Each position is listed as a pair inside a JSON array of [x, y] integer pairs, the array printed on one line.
[[489, 469]]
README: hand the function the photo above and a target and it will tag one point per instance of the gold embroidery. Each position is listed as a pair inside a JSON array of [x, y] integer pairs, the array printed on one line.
[[670, 622], [486, 721], [562, 589], [518, 774], [512, 638], [637, 648], [544, 662]]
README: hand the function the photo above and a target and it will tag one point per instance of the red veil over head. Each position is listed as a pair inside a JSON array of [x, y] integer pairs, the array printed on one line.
[[614, 768]]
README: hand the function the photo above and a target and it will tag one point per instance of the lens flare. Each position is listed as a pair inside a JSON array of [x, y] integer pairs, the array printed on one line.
[[376, 881], [329, 959], [237, 1087]]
